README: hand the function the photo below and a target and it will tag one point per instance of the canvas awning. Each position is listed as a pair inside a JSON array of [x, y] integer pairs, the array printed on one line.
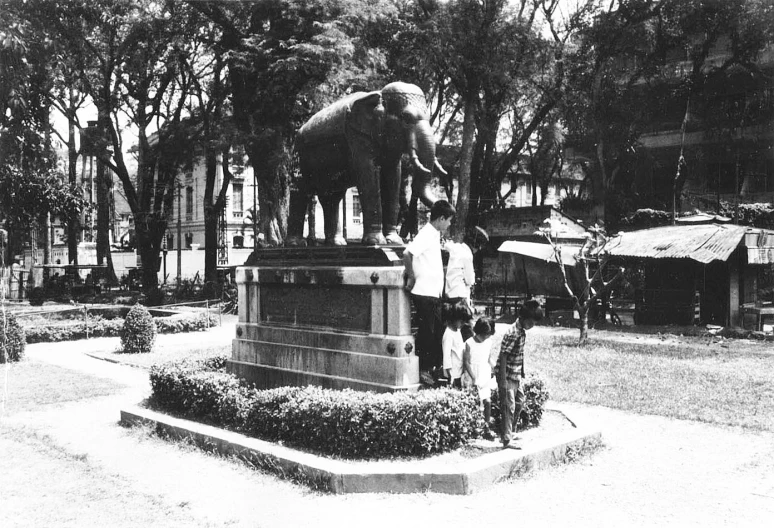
[[540, 251]]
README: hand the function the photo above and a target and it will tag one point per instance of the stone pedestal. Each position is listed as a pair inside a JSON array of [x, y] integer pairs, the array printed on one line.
[[333, 317]]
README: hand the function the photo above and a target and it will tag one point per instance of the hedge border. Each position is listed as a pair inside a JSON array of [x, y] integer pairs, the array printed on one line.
[[195, 322], [340, 423]]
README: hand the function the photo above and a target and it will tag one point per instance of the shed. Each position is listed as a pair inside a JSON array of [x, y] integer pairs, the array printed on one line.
[[502, 270], [708, 273]]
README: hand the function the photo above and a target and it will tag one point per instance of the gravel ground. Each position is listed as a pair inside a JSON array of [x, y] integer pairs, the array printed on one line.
[[653, 471]]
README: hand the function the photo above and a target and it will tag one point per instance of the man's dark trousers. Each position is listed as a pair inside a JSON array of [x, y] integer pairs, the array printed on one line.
[[429, 331]]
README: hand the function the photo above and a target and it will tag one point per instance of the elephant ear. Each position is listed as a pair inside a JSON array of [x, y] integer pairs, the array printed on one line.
[[365, 113]]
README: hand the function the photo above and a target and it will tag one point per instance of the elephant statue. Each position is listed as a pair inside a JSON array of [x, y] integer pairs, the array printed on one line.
[[359, 141]]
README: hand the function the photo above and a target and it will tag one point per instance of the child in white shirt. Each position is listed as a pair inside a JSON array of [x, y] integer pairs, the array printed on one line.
[[453, 345], [477, 362]]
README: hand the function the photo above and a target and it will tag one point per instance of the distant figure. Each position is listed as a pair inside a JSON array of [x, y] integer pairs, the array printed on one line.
[[424, 279], [15, 282], [460, 271], [509, 369]]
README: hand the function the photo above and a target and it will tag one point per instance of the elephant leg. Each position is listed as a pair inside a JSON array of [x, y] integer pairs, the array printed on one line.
[[390, 186], [331, 203], [299, 205], [368, 186]]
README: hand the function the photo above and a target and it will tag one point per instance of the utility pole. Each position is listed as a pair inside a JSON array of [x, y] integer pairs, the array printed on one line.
[[179, 235], [255, 211]]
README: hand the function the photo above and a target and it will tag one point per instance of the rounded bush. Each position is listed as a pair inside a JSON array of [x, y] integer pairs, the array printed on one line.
[[139, 331], [37, 296], [12, 339]]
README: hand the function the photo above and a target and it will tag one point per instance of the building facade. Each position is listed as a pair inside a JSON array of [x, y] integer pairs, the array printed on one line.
[[726, 138], [239, 222]]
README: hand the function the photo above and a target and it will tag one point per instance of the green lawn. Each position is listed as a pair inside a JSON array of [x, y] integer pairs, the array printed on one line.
[[169, 353], [728, 384], [29, 386]]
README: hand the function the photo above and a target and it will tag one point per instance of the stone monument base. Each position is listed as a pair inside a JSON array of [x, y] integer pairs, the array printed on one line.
[[336, 317]]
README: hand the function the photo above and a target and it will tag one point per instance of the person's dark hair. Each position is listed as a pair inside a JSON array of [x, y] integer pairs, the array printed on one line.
[[531, 310], [484, 326], [442, 208], [458, 311]]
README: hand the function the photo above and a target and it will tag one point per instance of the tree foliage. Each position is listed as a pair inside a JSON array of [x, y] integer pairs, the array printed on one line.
[[27, 195], [640, 59], [285, 61]]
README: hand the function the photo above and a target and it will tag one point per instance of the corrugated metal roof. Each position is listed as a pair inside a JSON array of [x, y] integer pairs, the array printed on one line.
[[703, 243]]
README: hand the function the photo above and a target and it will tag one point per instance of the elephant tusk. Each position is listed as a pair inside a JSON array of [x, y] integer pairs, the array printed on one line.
[[440, 168], [417, 163]]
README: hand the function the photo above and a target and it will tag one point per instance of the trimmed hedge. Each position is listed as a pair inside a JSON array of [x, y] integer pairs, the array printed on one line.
[[112, 328], [343, 423], [139, 331], [12, 341], [535, 397]]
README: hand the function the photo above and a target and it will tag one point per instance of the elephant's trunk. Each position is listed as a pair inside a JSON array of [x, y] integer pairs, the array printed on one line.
[[423, 158]]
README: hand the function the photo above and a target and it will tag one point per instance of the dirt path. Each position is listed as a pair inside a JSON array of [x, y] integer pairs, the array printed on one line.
[[653, 471]]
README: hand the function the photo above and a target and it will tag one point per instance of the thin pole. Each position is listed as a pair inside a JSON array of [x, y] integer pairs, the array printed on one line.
[[179, 236], [255, 211]]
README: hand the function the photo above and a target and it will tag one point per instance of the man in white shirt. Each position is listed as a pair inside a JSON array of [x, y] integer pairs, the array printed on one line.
[[424, 278], [460, 271]]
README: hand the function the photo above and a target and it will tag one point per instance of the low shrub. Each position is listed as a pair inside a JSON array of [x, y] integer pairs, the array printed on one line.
[[200, 390], [98, 327], [36, 296], [535, 397], [139, 331], [12, 341], [342, 423], [189, 323]]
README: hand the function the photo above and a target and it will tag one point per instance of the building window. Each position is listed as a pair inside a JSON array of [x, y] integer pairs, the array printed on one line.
[[237, 198], [189, 203]]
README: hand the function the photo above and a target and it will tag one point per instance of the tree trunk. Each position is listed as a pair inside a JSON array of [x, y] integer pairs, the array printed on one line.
[[584, 326], [271, 166], [103, 222], [74, 222], [466, 159], [211, 218], [212, 209]]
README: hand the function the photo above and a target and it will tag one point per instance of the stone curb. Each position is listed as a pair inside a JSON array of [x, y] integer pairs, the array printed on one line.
[[337, 476]]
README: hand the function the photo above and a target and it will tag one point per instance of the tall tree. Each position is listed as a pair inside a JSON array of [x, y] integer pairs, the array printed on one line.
[[211, 116], [640, 57], [285, 58], [503, 61], [134, 74], [25, 140]]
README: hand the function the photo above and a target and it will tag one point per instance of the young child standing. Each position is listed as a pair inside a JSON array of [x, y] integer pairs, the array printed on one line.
[[477, 363], [453, 344]]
